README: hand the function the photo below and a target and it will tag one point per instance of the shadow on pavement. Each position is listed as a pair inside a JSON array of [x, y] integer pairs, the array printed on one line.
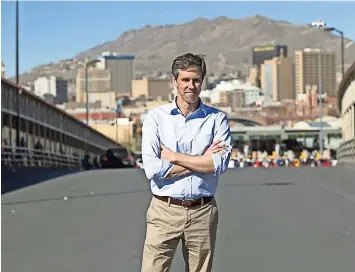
[[74, 197], [14, 179]]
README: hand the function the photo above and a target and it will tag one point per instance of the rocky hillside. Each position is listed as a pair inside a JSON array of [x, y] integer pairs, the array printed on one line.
[[225, 42]]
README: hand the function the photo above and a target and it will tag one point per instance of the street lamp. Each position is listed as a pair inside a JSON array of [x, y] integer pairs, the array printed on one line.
[[320, 91], [87, 65], [328, 29], [17, 76], [341, 33]]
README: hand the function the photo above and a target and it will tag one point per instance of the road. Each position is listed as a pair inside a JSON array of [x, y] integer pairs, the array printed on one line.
[[271, 220]]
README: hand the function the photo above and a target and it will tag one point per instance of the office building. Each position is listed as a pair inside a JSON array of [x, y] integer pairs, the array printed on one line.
[[262, 53], [155, 88], [99, 82], [308, 62], [254, 76], [233, 99], [52, 86], [277, 79], [61, 91], [121, 68]]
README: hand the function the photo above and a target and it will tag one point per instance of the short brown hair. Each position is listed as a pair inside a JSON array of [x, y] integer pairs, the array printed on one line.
[[187, 61]]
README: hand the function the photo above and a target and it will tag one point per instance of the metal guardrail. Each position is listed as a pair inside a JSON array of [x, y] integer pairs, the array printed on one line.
[[346, 152], [24, 157], [35, 110]]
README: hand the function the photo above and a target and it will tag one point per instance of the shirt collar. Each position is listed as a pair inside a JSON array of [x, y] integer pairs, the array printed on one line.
[[175, 109]]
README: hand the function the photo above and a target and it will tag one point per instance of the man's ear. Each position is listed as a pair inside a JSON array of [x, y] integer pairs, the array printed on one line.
[[174, 80]]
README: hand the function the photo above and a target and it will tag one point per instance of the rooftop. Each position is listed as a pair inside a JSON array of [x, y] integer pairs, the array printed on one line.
[[128, 57]]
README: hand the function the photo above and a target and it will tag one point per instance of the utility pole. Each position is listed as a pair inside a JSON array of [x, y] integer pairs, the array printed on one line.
[[18, 123], [320, 91]]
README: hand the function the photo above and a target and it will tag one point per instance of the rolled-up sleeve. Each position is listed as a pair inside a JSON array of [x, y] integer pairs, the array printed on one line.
[[154, 167], [222, 133]]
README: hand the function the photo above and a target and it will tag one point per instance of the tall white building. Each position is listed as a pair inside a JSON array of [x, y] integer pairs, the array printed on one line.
[[45, 85], [52, 86], [251, 93], [251, 96]]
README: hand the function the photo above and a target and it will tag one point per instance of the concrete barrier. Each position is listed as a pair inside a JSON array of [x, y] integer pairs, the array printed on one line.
[[14, 179]]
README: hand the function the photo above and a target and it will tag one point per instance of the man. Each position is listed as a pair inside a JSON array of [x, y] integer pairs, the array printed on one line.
[[186, 145]]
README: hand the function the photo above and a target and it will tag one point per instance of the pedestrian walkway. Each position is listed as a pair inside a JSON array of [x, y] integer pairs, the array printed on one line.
[[271, 220]]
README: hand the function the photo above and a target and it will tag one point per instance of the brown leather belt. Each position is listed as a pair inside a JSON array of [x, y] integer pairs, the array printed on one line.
[[185, 202]]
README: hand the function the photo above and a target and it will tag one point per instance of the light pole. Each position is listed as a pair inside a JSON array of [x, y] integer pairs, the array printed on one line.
[[341, 33], [87, 87], [320, 91], [87, 98], [17, 77]]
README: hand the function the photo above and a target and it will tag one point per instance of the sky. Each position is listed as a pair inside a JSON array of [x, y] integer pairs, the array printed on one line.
[[51, 31]]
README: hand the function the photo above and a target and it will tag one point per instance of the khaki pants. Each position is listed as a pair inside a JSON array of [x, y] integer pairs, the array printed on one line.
[[168, 223]]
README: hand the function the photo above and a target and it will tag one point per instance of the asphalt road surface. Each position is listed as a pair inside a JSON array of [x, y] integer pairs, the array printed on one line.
[[271, 220]]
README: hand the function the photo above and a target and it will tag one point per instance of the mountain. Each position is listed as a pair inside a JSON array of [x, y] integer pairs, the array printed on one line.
[[225, 42]]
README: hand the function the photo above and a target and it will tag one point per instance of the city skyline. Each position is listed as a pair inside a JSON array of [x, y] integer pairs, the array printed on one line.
[[39, 19]]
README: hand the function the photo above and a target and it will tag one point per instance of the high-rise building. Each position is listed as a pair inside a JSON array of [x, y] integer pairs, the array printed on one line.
[[262, 53], [45, 85], [232, 98], [254, 76], [52, 86], [308, 64], [277, 79], [154, 88], [121, 67], [62, 91], [99, 82], [107, 80]]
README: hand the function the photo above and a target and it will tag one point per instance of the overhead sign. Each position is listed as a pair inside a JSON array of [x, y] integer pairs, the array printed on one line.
[[263, 48]]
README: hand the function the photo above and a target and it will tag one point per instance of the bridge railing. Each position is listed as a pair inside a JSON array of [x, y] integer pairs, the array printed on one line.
[[25, 157], [346, 152], [37, 115]]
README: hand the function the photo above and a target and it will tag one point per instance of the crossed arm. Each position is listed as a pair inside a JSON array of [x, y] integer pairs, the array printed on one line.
[[178, 171], [162, 163], [186, 164]]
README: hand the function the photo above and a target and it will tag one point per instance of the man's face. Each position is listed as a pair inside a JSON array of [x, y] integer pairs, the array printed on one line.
[[189, 85]]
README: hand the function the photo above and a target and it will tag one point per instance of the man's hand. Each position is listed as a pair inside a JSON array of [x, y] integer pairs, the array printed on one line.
[[169, 155], [166, 153], [216, 147]]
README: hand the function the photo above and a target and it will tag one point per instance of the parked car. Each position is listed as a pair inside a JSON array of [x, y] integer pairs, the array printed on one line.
[[117, 157]]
